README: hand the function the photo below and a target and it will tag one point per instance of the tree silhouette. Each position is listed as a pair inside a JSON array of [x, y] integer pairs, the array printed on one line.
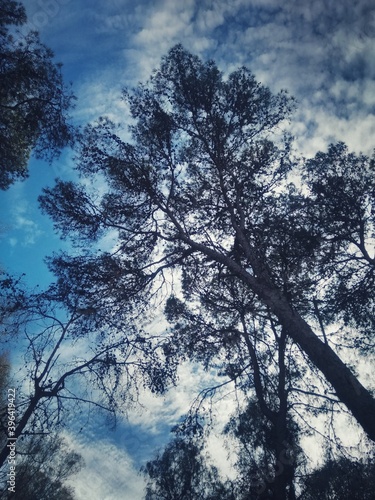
[[203, 191], [182, 472], [73, 360], [240, 339], [33, 99], [44, 463], [343, 478]]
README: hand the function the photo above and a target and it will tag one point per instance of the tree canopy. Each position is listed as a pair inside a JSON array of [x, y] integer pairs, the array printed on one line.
[[207, 193], [34, 101], [343, 479], [260, 262], [44, 464], [70, 361], [183, 472]]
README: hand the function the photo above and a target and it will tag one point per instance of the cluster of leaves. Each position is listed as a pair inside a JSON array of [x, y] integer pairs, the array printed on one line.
[[33, 98], [342, 210], [44, 464], [183, 472], [343, 478], [256, 439]]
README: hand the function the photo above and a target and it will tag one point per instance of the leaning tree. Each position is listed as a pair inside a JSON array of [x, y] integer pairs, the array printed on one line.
[[209, 189]]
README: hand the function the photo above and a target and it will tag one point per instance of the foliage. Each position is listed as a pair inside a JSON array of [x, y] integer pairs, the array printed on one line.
[[44, 464], [182, 472], [71, 360], [259, 474], [342, 208], [205, 186], [209, 218], [343, 479], [33, 99]]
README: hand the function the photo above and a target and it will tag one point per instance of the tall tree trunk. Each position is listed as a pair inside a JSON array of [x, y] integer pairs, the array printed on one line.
[[284, 465], [348, 389]]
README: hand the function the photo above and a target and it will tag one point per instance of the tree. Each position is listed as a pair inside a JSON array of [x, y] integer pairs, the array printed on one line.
[[204, 189], [44, 463], [33, 99], [231, 333], [182, 472], [73, 359], [343, 478], [222, 326], [341, 208], [259, 477]]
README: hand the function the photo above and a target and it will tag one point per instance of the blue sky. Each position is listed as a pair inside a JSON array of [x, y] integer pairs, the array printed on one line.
[[322, 52]]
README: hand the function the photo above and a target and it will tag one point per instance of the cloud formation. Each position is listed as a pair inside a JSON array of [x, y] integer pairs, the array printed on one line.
[[321, 52], [109, 472]]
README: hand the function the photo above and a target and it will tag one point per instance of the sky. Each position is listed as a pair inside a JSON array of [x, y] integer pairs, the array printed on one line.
[[321, 52]]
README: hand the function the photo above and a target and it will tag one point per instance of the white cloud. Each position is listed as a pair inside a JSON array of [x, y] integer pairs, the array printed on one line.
[[307, 48], [109, 473], [22, 226], [163, 26], [156, 412], [29, 227]]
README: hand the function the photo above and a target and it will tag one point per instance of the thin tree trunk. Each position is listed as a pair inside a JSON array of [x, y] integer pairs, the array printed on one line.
[[19, 429], [285, 465]]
